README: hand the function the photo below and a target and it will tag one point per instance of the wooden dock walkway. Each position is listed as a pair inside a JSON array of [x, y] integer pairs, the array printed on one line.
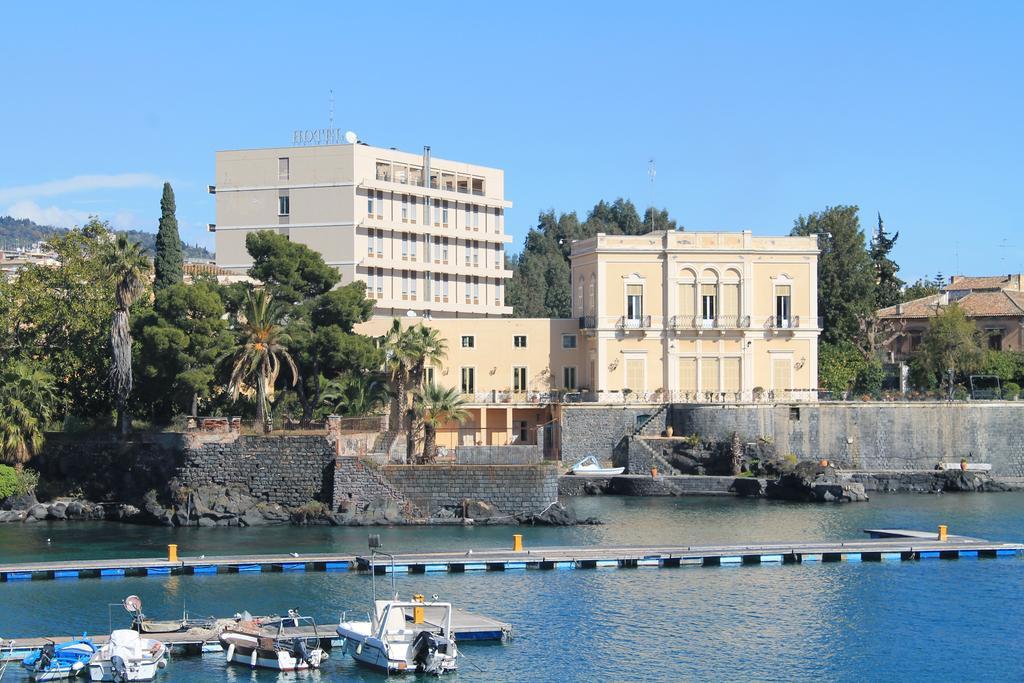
[[885, 544], [466, 625]]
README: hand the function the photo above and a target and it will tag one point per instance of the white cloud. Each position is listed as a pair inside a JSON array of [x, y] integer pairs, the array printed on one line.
[[79, 183], [50, 215]]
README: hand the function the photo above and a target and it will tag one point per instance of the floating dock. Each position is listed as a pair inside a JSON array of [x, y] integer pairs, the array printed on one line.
[[466, 625], [884, 544]]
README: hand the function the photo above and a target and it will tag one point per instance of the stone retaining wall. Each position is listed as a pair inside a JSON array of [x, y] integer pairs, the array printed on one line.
[[360, 482], [512, 489], [587, 430], [499, 455], [639, 485]]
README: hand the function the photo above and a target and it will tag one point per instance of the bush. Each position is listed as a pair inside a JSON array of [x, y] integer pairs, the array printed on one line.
[[13, 482], [1011, 390]]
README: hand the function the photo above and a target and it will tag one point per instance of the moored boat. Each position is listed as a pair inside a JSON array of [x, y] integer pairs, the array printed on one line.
[[589, 466], [398, 639], [54, 662], [290, 643], [127, 656]]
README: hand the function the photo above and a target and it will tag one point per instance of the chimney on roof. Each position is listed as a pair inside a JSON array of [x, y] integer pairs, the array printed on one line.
[[899, 309]]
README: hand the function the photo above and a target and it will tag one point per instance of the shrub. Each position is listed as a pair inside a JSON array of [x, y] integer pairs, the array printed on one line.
[[1011, 390], [13, 482]]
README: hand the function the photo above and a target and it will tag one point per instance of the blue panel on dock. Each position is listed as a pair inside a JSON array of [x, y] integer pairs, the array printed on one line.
[[891, 556], [477, 635], [436, 568], [336, 567], [771, 559], [810, 557], [515, 565], [19, 576], [158, 571], [968, 553], [731, 559], [929, 554], [113, 571], [852, 557], [475, 567], [398, 569], [294, 567], [65, 574], [205, 569], [1006, 552], [249, 568], [565, 565], [607, 563]]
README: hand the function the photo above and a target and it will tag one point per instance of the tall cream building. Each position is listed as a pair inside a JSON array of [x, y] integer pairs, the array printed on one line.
[[426, 235]]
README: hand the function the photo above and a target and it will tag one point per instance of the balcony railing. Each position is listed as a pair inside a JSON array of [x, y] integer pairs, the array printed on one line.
[[696, 322], [776, 323], [588, 322], [627, 323]]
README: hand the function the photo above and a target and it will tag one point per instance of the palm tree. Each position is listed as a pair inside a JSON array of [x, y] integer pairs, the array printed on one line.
[[353, 396], [127, 266], [426, 345], [399, 356], [27, 401], [436, 407], [262, 343]]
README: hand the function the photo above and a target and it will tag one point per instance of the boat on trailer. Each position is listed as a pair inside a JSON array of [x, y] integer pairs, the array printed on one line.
[[589, 466], [54, 662], [282, 643]]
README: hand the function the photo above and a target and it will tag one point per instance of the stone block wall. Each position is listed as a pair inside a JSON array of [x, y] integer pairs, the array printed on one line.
[[872, 435], [599, 430], [512, 489], [288, 470], [360, 482], [499, 455]]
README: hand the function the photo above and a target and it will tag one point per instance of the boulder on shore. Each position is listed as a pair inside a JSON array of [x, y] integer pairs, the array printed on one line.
[[812, 482]]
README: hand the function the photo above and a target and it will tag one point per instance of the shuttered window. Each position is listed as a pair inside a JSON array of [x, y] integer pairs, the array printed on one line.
[[731, 371], [635, 374], [781, 371], [730, 302], [688, 375], [709, 375], [686, 300]]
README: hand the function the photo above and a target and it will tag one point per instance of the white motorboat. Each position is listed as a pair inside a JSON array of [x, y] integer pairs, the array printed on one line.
[[290, 643], [589, 466], [398, 639], [127, 656]]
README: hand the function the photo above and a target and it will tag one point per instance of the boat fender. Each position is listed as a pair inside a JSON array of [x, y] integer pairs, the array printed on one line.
[[252, 659], [231, 651], [162, 664], [359, 649]]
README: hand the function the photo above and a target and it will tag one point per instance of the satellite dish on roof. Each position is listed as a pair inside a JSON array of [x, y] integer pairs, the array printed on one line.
[[351, 138]]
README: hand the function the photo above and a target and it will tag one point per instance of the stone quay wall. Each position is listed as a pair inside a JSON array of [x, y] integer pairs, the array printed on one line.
[[601, 430], [499, 455], [872, 435], [512, 489], [287, 470], [360, 482]]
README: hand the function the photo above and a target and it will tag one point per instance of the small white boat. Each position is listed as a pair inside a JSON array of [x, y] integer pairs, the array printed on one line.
[[127, 656], [591, 467], [396, 640], [291, 643]]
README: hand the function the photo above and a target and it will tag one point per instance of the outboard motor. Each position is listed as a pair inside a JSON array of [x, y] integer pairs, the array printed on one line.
[[118, 669], [425, 648], [45, 657], [300, 651]]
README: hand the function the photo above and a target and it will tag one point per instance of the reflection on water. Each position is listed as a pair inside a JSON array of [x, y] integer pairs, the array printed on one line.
[[771, 622]]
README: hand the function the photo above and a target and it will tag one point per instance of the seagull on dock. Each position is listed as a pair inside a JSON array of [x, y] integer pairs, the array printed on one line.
[[294, 554]]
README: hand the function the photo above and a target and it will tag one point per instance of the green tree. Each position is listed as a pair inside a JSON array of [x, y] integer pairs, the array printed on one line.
[[168, 264], [27, 403], [846, 276], [436, 407], [259, 350], [399, 357], [127, 267], [429, 348], [888, 286], [353, 395], [180, 341], [290, 271], [952, 342], [838, 365]]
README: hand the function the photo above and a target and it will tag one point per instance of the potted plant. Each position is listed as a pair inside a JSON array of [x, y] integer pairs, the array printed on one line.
[[963, 464], [669, 431]]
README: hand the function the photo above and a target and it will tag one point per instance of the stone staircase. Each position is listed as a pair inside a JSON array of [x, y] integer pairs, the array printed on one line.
[[653, 425], [649, 457], [360, 481]]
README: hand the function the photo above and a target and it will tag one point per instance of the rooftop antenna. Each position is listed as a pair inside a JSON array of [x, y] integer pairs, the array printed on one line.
[[652, 173], [330, 114]]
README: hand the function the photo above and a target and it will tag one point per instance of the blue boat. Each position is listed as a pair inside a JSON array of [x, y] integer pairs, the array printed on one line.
[[53, 662]]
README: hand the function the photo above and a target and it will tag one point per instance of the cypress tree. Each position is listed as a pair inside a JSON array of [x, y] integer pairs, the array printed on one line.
[[168, 263], [888, 287]]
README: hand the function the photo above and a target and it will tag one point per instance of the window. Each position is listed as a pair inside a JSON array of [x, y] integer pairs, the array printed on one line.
[[468, 380], [783, 310], [380, 204], [568, 341], [635, 374], [405, 285], [380, 244], [995, 338], [688, 376], [634, 302], [428, 375], [497, 258], [405, 208], [569, 377], [476, 217], [283, 168], [440, 249], [524, 431], [709, 380], [497, 293], [412, 208], [519, 341], [467, 220], [437, 213], [708, 305], [476, 254], [441, 288], [283, 206], [731, 304], [375, 283], [476, 289], [580, 304], [593, 284], [685, 304], [497, 220], [731, 372], [782, 382], [518, 379], [405, 246], [369, 203], [375, 243], [444, 213], [468, 341]]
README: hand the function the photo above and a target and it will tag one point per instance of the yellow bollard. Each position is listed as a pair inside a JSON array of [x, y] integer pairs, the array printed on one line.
[[172, 552], [417, 612], [517, 543], [942, 532]]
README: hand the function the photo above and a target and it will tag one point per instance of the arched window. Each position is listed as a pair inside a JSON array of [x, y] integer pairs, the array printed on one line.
[[709, 303]]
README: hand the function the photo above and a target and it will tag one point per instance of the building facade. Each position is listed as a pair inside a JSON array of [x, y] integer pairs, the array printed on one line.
[[426, 235]]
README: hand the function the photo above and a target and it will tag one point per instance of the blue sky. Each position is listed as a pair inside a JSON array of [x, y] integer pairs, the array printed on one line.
[[755, 113]]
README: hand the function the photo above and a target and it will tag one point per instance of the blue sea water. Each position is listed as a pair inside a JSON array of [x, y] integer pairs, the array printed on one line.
[[926, 620]]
